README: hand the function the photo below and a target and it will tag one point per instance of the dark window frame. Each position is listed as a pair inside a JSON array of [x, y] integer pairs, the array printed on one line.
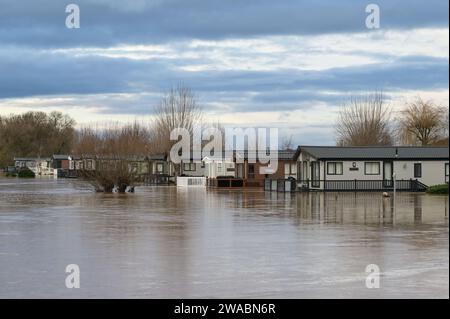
[[291, 165], [446, 172], [315, 174], [417, 173], [251, 175], [192, 167], [159, 167], [373, 174], [335, 166]]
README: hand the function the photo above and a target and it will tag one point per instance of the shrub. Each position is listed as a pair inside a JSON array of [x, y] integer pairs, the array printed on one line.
[[438, 189], [10, 174], [26, 173]]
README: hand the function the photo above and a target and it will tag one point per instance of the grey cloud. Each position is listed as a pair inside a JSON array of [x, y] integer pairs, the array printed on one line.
[[27, 74], [106, 23]]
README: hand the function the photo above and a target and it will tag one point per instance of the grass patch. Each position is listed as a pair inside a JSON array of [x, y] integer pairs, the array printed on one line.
[[438, 189]]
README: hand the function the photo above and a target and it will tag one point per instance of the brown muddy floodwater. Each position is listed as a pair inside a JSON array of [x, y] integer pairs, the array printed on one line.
[[164, 242]]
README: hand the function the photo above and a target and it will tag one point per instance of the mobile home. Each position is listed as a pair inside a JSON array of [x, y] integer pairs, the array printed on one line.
[[39, 166], [161, 170], [218, 166], [255, 171], [372, 168]]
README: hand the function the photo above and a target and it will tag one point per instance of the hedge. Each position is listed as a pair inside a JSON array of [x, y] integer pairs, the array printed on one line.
[[26, 173], [438, 189]]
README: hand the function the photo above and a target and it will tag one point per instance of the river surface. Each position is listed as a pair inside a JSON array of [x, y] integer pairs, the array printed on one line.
[[169, 242]]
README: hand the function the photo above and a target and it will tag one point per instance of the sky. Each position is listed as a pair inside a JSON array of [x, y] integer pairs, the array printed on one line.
[[289, 64]]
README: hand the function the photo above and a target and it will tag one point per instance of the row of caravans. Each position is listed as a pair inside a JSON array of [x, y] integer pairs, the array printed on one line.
[[43, 166], [70, 165], [335, 168], [326, 168], [307, 167]]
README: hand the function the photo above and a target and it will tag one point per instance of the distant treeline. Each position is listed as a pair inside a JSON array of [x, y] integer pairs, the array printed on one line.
[[38, 134], [35, 134], [364, 120]]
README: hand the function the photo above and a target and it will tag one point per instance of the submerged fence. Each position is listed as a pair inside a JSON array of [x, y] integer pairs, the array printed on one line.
[[280, 185], [225, 182], [190, 181], [411, 185], [157, 179]]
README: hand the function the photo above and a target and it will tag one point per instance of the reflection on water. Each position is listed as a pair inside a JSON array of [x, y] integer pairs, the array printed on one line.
[[164, 242]]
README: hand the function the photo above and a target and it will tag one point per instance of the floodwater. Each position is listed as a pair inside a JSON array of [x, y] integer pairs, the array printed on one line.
[[164, 242]]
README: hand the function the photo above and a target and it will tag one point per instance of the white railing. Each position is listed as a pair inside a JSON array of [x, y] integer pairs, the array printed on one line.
[[190, 181]]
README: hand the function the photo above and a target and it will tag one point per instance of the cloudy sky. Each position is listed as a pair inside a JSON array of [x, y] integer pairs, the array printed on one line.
[[287, 64]]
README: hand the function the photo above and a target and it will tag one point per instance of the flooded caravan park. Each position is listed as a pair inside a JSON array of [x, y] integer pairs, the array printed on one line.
[[168, 242]]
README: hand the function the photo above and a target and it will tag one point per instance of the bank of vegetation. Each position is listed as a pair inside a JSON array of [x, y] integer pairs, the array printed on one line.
[[438, 189]]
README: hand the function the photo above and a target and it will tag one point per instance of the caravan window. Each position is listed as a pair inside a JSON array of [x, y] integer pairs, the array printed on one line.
[[417, 170], [251, 171], [335, 168], [290, 169], [372, 168], [315, 174], [189, 167], [446, 172]]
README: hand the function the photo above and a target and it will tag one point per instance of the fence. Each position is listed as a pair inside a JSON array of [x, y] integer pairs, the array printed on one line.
[[280, 185], [157, 179], [190, 181], [65, 173], [225, 182], [363, 185]]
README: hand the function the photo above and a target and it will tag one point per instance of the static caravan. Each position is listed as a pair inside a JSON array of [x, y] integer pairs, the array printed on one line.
[[64, 166], [372, 168], [62, 162], [255, 171], [161, 170], [160, 165], [218, 166], [39, 166], [139, 165], [191, 165], [192, 168]]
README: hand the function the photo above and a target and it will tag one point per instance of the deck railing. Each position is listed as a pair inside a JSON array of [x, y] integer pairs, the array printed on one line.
[[157, 179], [411, 185], [66, 173], [191, 181], [280, 185], [225, 182]]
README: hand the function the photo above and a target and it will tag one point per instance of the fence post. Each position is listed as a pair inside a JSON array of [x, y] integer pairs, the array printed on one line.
[[394, 198]]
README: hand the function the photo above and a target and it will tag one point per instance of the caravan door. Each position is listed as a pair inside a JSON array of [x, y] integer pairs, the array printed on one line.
[[387, 174]]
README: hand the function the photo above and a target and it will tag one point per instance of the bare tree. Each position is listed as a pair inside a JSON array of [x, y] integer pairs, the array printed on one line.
[[423, 123], [114, 149], [287, 143], [177, 109], [364, 121]]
